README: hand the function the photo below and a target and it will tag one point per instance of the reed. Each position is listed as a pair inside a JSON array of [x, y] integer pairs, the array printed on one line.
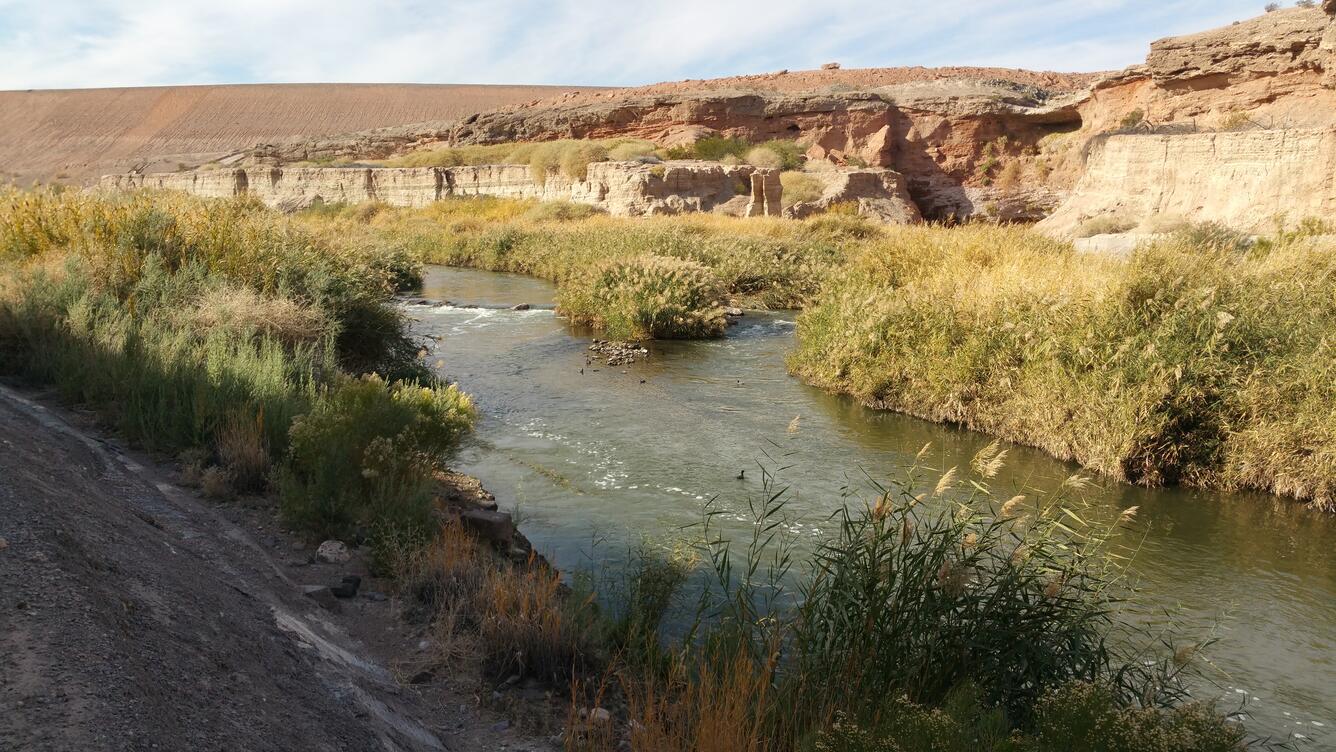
[[1199, 361]]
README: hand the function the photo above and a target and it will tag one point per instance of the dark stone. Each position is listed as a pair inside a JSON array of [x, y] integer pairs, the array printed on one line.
[[496, 527], [349, 587], [520, 307], [323, 596]]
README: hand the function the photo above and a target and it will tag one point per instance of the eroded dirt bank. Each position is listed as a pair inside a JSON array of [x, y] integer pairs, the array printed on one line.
[[134, 616]]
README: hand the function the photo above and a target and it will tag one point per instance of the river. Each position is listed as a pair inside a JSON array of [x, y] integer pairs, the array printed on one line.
[[594, 457]]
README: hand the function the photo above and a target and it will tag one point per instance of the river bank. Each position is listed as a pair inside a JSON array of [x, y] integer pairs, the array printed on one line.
[[142, 615], [1199, 361], [249, 345], [593, 463]]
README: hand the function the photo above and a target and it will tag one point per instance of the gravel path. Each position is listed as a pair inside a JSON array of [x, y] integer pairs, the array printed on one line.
[[136, 617]]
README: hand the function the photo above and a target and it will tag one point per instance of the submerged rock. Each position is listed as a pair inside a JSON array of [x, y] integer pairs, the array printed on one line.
[[619, 353]]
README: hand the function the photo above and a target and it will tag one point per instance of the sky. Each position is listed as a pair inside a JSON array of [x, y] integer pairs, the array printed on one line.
[[87, 43]]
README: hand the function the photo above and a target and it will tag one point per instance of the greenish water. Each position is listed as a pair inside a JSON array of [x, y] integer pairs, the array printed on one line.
[[596, 460]]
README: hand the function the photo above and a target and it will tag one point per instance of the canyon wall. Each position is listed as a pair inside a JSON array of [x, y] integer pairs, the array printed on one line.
[[1247, 179], [619, 188]]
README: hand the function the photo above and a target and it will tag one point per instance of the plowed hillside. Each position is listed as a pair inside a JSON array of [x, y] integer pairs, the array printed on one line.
[[70, 135]]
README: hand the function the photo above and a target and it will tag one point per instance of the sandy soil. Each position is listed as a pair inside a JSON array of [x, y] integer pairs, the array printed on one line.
[[82, 133], [135, 616]]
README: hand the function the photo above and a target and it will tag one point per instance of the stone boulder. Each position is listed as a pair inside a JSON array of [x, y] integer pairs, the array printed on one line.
[[880, 194]]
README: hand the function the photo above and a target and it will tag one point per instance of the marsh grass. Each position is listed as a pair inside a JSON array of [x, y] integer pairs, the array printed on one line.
[[647, 297], [766, 263], [218, 328], [1201, 361]]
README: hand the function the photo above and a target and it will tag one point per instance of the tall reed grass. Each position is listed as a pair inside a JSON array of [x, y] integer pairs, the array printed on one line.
[[936, 617], [758, 262], [217, 326], [1200, 361]]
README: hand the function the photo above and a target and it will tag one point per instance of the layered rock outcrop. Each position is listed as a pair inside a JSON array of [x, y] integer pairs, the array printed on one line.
[[619, 188], [934, 133], [1236, 125], [1247, 180], [879, 194]]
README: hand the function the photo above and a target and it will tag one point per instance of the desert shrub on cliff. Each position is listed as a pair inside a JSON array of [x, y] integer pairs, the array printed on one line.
[[1196, 363], [777, 155], [631, 150], [646, 297], [1108, 224], [710, 149], [760, 156], [570, 157]]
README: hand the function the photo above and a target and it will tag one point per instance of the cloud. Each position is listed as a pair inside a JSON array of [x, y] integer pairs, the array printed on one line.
[[79, 43]]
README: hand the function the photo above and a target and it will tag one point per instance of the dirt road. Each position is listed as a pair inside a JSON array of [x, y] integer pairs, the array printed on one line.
[[134, 616]]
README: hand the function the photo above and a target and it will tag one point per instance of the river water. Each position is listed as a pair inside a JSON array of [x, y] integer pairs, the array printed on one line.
[[594, 458]]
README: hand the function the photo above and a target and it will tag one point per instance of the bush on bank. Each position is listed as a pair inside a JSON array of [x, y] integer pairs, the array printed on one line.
[[931, 620], [647, 297], [214, 326]]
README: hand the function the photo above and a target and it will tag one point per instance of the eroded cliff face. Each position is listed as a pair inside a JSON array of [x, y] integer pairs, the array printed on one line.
[[1247, 180], [937, 134], [969, 143], [1273, 71], [1232, 125], [619, 188]]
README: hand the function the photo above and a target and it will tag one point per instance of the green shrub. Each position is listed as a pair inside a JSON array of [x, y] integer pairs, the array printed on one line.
[[647, 297], [710, 149], [791, 155], [1087, 717], [362, 458], [1076, 716]]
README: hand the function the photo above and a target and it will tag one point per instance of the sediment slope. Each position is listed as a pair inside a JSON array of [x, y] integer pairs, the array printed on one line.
[[82, 133]]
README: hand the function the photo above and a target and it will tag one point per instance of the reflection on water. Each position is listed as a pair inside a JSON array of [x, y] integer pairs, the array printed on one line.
[[590, 453]]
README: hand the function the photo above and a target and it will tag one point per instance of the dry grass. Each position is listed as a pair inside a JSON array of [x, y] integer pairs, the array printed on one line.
[[1195, 363], [215, 483], [244, 451], [1107, 224], [240, 310], [801, 187], [514, 619]]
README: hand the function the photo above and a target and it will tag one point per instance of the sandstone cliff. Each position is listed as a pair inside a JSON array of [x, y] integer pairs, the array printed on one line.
[[1233, 125], [619, 188], [1247, 180]]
